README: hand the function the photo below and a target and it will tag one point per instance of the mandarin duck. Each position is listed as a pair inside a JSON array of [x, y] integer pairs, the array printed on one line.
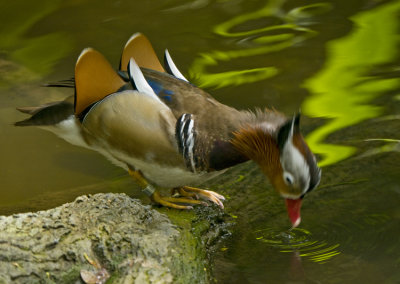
[[166, 132]]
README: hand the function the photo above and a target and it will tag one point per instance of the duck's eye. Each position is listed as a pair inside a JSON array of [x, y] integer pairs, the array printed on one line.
[[288, 178]]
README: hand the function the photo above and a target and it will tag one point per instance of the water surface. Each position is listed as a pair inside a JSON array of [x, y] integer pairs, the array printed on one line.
[[337, 61]]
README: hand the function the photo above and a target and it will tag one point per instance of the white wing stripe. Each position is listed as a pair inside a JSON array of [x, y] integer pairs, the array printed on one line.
[[139, 81], [190, 128], [182, 125], [186, 137], [171, 66]]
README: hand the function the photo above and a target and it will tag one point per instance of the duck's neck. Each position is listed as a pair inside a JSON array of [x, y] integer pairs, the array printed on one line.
[[258, 144], [256, 139], [253, 139]]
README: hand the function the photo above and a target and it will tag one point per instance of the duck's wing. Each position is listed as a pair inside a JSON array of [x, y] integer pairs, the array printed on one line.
[[132, 125], [209, 121], [94, 79], [137, 47], [201, 120], [179, 95], [140, 49], [168, 83]]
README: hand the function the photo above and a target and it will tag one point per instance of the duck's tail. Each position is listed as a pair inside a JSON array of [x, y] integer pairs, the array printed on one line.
[[47, 114], [67, 83]]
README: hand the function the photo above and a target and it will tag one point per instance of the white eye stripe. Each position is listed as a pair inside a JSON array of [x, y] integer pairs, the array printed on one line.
[[294, 164]]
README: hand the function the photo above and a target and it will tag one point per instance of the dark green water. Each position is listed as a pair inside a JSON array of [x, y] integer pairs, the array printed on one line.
[[338, 61]]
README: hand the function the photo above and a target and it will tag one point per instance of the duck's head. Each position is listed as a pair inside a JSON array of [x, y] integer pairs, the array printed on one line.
[[298, 172], [285, 158]]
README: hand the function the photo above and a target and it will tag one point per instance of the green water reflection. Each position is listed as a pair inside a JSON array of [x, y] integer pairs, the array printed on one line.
[[34, 56], [268, 39], [343, 90], [350, 227]]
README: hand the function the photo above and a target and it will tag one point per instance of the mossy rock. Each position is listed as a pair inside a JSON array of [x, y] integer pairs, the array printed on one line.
[[109, 236]]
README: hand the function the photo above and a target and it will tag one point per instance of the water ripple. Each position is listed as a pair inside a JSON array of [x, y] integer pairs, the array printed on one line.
[[298, 240]]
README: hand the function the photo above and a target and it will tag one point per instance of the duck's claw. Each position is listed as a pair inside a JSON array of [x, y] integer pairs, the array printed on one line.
[[205, 195], [190, 195], [171, 201], [179, 191]]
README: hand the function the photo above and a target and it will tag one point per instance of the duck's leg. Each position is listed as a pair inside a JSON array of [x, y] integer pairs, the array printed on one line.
[[179, 191], [157, 197], [202, 193]]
